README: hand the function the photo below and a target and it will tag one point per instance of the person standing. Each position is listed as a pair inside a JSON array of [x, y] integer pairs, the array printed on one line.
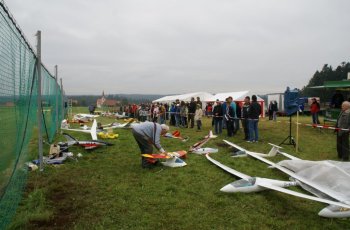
[[234, 108], [223, 107], [191, 112], [162, 114], [343, 122], [238, 116], [146, 135], [253, 119], [199, 102], [217, 116], [244, 117], [198, 117], [177, 114], [166, 106], [92, 109], [315, 109], [155, 113], [183, 113], [274, 110], [229, 118], [209, 110], [172, 114], [270, 110]]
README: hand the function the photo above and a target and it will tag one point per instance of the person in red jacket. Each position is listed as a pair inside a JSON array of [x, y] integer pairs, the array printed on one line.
[[315, 109]]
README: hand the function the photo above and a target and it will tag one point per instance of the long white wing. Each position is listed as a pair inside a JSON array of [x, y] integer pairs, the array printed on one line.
[[298, 194], [79, 130], [264, 183], [228, 169], [92, 131], [242, 149], [288, 156], [292, 174], [235, 146]]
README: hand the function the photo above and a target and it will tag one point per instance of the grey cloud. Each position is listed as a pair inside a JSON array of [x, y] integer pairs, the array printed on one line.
[[174, 46]]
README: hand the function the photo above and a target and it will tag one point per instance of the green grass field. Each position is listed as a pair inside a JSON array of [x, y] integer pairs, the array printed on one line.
[[108, 189]]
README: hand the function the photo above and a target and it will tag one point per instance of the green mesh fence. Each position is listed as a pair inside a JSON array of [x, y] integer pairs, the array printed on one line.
[[18, 112]]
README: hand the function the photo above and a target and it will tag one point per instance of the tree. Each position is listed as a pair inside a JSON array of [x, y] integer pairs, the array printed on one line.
[[326, 74]]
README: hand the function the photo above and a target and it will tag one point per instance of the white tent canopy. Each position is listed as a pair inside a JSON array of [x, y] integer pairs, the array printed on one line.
[[184, 97], [236, 96]]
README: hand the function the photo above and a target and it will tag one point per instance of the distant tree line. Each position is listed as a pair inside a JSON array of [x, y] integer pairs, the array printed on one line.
[[327, 73], [125, 99]]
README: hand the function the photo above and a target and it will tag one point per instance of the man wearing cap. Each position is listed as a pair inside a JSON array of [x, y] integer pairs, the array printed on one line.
[[146, 135]]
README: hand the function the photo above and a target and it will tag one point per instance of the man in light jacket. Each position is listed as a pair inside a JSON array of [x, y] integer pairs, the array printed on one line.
[[146, 135]]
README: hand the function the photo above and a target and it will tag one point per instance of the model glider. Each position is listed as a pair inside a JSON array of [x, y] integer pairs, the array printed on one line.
[[181, 154], [172, 158], [79, 121], [107, 135], [92, 131], [120, 116], [202, 151], [273, 152], [202, 142], [339, 203], [176, 135], [116, 125], [86, 144], [83, 118]]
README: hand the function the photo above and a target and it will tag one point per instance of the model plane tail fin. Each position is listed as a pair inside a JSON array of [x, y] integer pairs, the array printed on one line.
[[94, 130], [211, 135], [70, 140], [274, 150]]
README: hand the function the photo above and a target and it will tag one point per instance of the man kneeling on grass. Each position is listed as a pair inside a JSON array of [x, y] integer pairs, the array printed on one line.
[[146, 135]]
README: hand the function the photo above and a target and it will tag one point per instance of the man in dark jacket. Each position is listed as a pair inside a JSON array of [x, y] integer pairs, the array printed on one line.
[[238, 116], [191, 111], [253, 119], [229, 116], [245, 123], [217, 113], [343, 122]]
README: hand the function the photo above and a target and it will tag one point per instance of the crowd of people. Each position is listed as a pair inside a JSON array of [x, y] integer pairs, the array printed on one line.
[[225, 115]]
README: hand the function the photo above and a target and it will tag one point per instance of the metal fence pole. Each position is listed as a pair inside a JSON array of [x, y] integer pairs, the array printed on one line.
[[62, 98], [39, 113], [57, 87]]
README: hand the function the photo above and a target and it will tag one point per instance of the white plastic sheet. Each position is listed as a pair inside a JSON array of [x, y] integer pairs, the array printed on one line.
[[329, 176]]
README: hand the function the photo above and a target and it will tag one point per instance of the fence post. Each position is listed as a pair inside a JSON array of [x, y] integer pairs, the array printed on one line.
[[57, 87], [62, 98], [39, 113]]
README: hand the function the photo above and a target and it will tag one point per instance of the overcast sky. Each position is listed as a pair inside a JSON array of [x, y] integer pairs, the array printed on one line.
[[180, 46]]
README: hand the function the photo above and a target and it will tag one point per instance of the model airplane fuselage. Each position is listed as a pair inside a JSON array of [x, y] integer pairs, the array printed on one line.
[[86, 144], [202, 142], [172, 159]]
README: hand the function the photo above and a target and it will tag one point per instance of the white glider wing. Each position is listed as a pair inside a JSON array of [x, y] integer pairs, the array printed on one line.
[[92, 131], [298, 194], [269, 184], [301, 179], [228, 169], [272, 152]]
